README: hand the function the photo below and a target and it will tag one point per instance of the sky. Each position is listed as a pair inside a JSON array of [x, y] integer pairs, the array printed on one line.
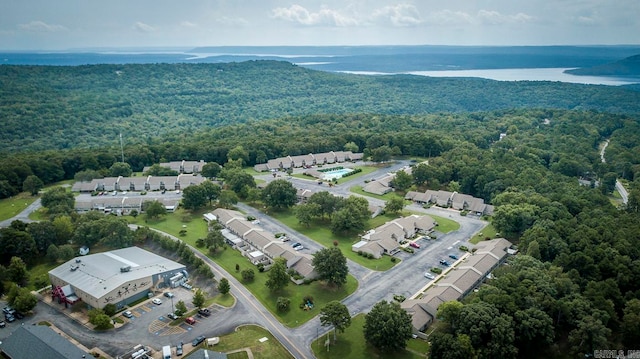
[[77, 24]]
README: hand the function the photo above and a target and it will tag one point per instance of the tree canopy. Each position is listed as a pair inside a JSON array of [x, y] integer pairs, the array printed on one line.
[[331, 266], [387, 327]]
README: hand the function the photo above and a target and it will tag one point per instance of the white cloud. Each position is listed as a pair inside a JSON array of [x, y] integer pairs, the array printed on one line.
[[41, 26], [398, 15], [482, 17], [492, 17], [324, 17], [142, 27], [449, 17], [232, 21], [188, 24]]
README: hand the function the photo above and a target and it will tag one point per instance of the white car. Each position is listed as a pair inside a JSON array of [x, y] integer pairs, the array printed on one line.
[[429, 275], [156, 301]]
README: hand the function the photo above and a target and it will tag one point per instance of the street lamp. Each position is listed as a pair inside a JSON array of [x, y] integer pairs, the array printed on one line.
[[173, 311]]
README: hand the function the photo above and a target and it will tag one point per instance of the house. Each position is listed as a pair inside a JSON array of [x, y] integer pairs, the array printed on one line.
[[311, 159], [39, 341], [455, 200], [181, 166], [303, 195], [386, 238], [457, 283], [261, 246]]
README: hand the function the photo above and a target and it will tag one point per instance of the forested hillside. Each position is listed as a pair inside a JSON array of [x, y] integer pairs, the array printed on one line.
[[50, 107]]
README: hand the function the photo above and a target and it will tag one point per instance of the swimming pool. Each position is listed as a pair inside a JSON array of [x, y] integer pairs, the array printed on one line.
[[336, 173]]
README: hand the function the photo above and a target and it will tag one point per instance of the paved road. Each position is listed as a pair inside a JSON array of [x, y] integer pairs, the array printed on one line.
[[619, 186], [405, 278], [24, 215]]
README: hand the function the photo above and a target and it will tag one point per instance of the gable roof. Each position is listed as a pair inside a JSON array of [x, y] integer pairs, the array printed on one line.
[[39, 341]]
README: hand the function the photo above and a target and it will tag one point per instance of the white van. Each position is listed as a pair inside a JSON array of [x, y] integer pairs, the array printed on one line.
[[166, 352]]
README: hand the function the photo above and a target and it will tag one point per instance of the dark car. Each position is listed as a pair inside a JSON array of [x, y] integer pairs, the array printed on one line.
[[168, 295], [179, 349], [197, 341], [18, 315], [204, 312], [444, 263], [453, 256], [9, 318]]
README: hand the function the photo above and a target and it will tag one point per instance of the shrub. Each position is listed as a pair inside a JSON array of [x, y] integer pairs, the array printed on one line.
[[399, 298], [464, 212], [370, 256], [283, 304], [335, 243], [200, 242], [260, 267], [248, 275], [393, 259], [110, 309], [359, 253]]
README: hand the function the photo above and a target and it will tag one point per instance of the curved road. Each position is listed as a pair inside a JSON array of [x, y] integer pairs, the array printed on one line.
[[406, 278]]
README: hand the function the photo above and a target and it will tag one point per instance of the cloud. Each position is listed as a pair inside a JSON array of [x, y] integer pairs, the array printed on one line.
[[41, 26], [188, 24], [482, 17], [142, 27], [324, 17], [398, 15], [232, 21]]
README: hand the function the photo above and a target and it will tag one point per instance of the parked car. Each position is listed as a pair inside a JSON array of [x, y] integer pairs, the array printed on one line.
[[300, 247], [156, 301], [8, 310], [2, 324], [296, 245], [172, 316], [179, 349], [414, 244], [204, 312], [453, 256], [128, 314], [190, 320], [197, 341], [168, 294], [9, 318], [444, 263], [18, 315], [429, 275]]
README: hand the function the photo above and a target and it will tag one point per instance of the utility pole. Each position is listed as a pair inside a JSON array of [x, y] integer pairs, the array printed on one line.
[[121, 148]]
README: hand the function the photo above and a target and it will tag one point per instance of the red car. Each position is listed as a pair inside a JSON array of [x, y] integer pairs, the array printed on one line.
[[414, 245], [190, 320]]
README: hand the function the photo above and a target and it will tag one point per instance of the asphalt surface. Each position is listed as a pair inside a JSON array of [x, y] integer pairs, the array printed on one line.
[[146, 327]]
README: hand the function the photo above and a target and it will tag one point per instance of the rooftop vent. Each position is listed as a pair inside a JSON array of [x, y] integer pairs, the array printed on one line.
[[125, 269], [78, 260], [73, 268]]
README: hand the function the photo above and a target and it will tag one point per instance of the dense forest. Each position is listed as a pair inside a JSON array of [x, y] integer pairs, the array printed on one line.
[[573, 288], [61, 107]]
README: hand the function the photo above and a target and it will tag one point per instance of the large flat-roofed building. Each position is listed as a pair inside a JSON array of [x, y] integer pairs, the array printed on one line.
[[120, 277], [39, 341]]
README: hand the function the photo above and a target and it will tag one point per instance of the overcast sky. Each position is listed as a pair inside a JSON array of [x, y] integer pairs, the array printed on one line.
[[67, 24]]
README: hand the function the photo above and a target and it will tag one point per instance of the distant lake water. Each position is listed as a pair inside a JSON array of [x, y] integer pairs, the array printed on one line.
[[544, 74]]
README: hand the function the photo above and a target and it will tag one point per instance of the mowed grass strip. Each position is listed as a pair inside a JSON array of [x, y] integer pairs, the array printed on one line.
[[351, 344], [11, 207], [248, 336]]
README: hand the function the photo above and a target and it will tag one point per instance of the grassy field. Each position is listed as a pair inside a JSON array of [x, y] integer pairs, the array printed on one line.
[[295, 316], [248, 336], [10, 207], [173, 223], [225, 300], [445, 225], [487, 232], [351, 344], [320, 232], [384, 197]]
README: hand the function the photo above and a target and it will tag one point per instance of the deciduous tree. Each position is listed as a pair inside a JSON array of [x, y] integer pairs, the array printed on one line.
[[331, 266], [387, 327], [32, 184], [278, 277], [336, 314], [279, 194]]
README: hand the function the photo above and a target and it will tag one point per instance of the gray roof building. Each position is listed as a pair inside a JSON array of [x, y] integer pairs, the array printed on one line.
[[39, 341], [119, 277]]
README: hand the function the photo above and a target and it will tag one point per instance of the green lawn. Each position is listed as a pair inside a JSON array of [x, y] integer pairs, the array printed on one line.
[[384, 197], [248, 336], [351, 344], [445, 225], [10, 207], [295, 316], [487, 232], [225, 300], [320, 232], [173, 223]]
